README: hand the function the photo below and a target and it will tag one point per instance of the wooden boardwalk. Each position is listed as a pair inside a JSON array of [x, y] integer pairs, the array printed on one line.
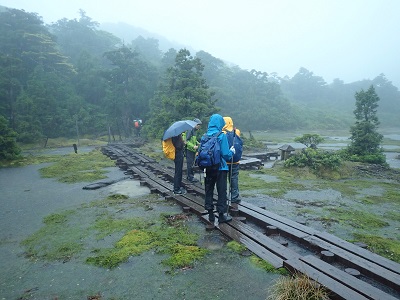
[[347, 270]]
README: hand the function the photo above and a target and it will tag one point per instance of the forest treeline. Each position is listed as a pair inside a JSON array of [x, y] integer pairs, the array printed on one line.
[[70, 77]]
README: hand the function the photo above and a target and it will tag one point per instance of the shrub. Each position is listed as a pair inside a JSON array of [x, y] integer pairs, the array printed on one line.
[[315, 159]]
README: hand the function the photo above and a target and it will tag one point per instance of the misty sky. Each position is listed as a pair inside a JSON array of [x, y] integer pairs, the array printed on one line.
[[347, 39]]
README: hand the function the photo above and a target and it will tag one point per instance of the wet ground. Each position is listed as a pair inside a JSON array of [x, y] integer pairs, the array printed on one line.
[[26, 199]]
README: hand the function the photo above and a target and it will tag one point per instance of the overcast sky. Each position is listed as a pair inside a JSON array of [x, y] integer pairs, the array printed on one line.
[[347, 39]]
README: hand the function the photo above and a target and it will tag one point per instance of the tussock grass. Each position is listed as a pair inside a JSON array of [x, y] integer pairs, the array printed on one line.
[[297, 287]]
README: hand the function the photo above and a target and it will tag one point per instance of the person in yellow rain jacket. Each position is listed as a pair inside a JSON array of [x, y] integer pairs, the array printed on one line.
[[233, 135]]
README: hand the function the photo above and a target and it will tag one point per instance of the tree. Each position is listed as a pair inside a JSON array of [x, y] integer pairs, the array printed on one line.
[[365, 140], [309, 139], [131, 84], [183, 94], [8, 147]]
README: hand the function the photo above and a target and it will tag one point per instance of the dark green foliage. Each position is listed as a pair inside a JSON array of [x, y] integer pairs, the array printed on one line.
[[183, 94], [315, 159], [309, 139], [55, 79], [8, 147], [365, 140]]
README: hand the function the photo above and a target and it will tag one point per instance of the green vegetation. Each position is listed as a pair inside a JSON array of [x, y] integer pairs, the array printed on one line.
[[309, 139], [60, 238], [356, 219], [183, 94], [365, 140], [9, 150], [389, 248], [171, 237], [267, 266], [70, 79], [78, 167], [68, 235], [297, 287], [320, 161]]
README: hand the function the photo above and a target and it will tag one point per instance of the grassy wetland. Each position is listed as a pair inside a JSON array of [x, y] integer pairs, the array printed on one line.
[[113, 235]]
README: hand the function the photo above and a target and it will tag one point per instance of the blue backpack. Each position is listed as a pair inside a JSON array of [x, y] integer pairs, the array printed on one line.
[[236, 141], [209, 152]]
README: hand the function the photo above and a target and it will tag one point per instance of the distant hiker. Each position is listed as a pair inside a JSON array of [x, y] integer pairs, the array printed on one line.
[[179, 145], [233, 136], [191, 148], [217, 175], [138, 125]]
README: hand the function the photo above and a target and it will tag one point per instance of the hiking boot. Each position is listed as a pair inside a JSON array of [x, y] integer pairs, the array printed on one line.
[[181, 191], [211, 216], [223, 218], [235, 206]]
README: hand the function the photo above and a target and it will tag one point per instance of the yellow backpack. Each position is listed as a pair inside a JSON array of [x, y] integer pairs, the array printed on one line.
[[168, 149]]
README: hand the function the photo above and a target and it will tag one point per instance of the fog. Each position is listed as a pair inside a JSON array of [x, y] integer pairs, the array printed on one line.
[[350, 40]]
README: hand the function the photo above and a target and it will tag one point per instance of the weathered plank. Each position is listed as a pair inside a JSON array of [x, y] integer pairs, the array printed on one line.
[[253, 246], [284, 229], [369, 268], [280, 219], [270, 244], [340, 290], [358, 285], [377, 259]]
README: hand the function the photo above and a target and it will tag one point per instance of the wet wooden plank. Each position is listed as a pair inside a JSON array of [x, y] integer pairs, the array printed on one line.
[[340, 290], [280, 219], [194, 207], [377, 259], [283, 228], [270, 244], [253, 246], [358, 285], [369, 268]]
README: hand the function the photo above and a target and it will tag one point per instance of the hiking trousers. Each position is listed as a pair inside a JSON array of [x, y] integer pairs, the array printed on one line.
[[216, 178], [233, 178], [190, 155], [178, 170]]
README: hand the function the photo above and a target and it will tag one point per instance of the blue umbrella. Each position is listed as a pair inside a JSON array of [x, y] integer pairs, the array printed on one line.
[[178, 127]]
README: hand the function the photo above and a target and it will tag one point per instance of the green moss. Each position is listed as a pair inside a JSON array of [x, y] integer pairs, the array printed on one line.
[[267, 266], [393, 215], [357, 219], [29, 160], [236, 247], [106, 225], [135, 242], [276, 188], [389, 248], [183, 256], [171, 237], [72, 168], [59, 239], [57, 218]]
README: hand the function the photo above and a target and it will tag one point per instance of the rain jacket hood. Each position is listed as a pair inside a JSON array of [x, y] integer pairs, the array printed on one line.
[[228, 124], [215, 126]]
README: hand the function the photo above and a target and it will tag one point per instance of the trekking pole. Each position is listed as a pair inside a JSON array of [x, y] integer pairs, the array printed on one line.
[[230, 175]]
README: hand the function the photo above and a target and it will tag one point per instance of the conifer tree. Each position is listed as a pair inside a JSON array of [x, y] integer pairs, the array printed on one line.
[[183, 94], [365, 140]]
